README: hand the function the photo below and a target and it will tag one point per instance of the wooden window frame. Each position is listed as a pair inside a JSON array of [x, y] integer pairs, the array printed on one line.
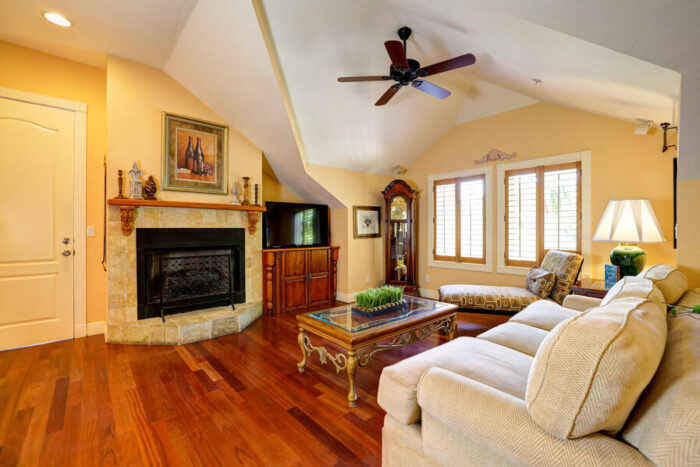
[[540, 170], [458, 258]]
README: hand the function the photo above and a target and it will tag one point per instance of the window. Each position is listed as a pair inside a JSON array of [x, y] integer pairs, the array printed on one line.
[[304, 227], [542, 212], [459, 219]]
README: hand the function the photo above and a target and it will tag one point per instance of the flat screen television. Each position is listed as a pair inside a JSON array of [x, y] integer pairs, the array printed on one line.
[[289, 225]]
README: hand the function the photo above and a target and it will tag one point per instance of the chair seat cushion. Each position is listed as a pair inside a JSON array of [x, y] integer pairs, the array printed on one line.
[[544, 314], [492, 364], [517, 336], [487, 297]]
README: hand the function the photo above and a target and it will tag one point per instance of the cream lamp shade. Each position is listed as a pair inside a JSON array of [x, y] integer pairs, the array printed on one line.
[[629, 221]]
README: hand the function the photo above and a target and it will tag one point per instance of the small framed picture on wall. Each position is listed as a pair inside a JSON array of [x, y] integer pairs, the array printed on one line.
[[366, 222]]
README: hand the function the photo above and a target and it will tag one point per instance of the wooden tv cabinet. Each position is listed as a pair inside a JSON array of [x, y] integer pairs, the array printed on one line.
[[296, 279]]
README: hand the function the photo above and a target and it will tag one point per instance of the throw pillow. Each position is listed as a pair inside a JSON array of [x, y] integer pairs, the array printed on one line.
[[540, 282], [590, 370]]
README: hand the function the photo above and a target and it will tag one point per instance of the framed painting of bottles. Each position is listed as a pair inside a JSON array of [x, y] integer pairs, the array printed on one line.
[[195, 155]]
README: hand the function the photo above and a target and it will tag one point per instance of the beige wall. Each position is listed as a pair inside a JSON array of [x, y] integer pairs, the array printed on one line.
[[32, 71], [624, 165], [136, 97], [362, 256]]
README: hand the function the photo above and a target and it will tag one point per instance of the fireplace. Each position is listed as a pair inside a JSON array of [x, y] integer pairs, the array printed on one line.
[[186, 269]]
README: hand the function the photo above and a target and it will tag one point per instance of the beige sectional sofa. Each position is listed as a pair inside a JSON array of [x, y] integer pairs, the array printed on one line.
[[592, 382]]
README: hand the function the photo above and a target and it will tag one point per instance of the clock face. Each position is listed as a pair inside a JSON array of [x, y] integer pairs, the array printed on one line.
[[398, 209]]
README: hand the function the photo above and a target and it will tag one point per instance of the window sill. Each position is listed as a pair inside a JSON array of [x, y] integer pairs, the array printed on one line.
[[462, 266], [517, 270]]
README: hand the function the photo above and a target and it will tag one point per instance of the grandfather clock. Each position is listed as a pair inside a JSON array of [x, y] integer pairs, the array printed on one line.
[[400, 222]]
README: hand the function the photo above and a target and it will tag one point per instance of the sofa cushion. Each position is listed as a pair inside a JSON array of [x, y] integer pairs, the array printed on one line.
[[669, 279], [544, 314], [520, 337], [487, 297], [565, 267], [635, 286], [492, 364], [590, 370], [665, 425], [540, 281]]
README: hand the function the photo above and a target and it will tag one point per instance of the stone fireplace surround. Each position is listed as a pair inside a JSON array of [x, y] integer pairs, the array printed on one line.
[[122, 325]]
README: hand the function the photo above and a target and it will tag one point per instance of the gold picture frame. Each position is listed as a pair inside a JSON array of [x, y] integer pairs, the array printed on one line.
[[366, 221], [195, 155]]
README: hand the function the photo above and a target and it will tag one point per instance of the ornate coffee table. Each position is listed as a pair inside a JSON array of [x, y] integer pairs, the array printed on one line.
[[363, 336]]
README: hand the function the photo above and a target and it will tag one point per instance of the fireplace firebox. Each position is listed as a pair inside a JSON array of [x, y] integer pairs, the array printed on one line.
[[182, 270]]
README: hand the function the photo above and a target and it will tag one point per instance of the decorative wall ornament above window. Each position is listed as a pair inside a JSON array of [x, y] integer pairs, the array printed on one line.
[[495, 155]]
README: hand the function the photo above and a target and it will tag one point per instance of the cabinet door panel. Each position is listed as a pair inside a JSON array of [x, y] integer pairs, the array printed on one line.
[[295, 294], [319, 290], [319, 261], [294, 263]]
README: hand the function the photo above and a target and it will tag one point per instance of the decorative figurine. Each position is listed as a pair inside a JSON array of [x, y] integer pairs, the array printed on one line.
[[136, 188], [120, 181], [400, 267], [236, 190], [150, 188], [257, 187], [495, 155], [246, 191]]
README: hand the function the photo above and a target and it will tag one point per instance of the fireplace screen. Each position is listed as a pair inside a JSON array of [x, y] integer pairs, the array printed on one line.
[[188, 269], [184, 277]]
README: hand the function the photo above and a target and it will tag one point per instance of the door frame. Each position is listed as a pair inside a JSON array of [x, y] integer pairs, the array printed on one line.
[[79, 110]]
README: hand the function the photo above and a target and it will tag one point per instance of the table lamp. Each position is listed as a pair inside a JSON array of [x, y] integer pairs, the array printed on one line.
[[628, 221]]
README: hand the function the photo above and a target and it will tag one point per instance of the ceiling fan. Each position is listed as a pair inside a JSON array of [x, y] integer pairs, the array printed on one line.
[[407, 71]]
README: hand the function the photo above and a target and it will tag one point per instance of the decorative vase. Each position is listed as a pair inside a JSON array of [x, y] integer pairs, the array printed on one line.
[[246, 191], [150, 188], [629, 257]]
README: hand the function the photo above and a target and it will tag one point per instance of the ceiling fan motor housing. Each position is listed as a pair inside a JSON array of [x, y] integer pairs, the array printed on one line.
[[404, 76]]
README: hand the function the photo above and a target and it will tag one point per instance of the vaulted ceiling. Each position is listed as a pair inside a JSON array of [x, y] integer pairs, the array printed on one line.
[[269, 67]]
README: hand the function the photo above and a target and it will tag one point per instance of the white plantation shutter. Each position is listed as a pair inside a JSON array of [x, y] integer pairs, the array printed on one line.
[[521, 195], [459, 219], [445, 218], [561, 214], [472, 218], [542, 212]]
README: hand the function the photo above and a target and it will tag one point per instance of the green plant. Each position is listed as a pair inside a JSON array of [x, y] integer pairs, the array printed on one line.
[[693, 311], [379, 296]]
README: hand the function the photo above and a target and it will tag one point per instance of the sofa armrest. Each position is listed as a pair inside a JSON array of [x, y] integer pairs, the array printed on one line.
[[580, 302], [500, 423]]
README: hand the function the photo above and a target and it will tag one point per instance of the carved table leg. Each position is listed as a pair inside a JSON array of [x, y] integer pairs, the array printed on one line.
[[304, 354], [453, 331], [352, 369]]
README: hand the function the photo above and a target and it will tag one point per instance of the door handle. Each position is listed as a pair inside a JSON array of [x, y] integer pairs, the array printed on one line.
[[65, 240], [65, 252]]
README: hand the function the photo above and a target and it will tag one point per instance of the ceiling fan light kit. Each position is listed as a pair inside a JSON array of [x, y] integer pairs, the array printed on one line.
[[407, 71]]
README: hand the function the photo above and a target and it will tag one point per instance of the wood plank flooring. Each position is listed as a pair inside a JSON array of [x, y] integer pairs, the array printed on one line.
[[235, 400]]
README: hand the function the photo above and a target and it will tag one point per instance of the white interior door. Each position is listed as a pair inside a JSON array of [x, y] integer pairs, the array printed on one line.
[[36, 223]]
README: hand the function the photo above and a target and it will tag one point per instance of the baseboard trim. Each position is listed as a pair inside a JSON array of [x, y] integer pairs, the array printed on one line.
[[98, 327], [429, 293], [345, 297]]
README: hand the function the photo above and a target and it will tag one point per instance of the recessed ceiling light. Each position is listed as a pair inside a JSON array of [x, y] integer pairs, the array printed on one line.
[[58, 20]]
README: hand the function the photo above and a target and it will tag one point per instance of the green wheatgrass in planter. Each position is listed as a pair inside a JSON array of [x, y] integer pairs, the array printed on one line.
[[379, 296]]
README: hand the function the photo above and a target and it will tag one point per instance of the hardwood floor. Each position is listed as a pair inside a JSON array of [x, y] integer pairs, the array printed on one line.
[[233, 400]]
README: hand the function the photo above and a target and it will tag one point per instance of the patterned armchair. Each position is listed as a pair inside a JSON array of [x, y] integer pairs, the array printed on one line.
[[564, 266]]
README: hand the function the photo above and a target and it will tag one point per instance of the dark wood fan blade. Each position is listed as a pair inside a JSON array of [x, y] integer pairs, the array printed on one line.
[[447, 65], [388, 94], [350, 79], [396, 53], [430, 88]]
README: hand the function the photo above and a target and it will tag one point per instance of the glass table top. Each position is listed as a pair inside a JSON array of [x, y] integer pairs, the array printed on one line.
[[353, 321]]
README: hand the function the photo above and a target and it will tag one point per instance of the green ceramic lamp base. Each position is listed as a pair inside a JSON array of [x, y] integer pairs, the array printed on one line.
[[629, 257]]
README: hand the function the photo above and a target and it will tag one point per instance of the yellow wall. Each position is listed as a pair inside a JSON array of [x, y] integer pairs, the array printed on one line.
[[689, 230], [273, 190], [362, 256], [624, 165], [32, 71], [137, 95]]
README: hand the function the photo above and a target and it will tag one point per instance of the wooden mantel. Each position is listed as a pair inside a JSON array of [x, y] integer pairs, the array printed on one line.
[[126, 210]]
